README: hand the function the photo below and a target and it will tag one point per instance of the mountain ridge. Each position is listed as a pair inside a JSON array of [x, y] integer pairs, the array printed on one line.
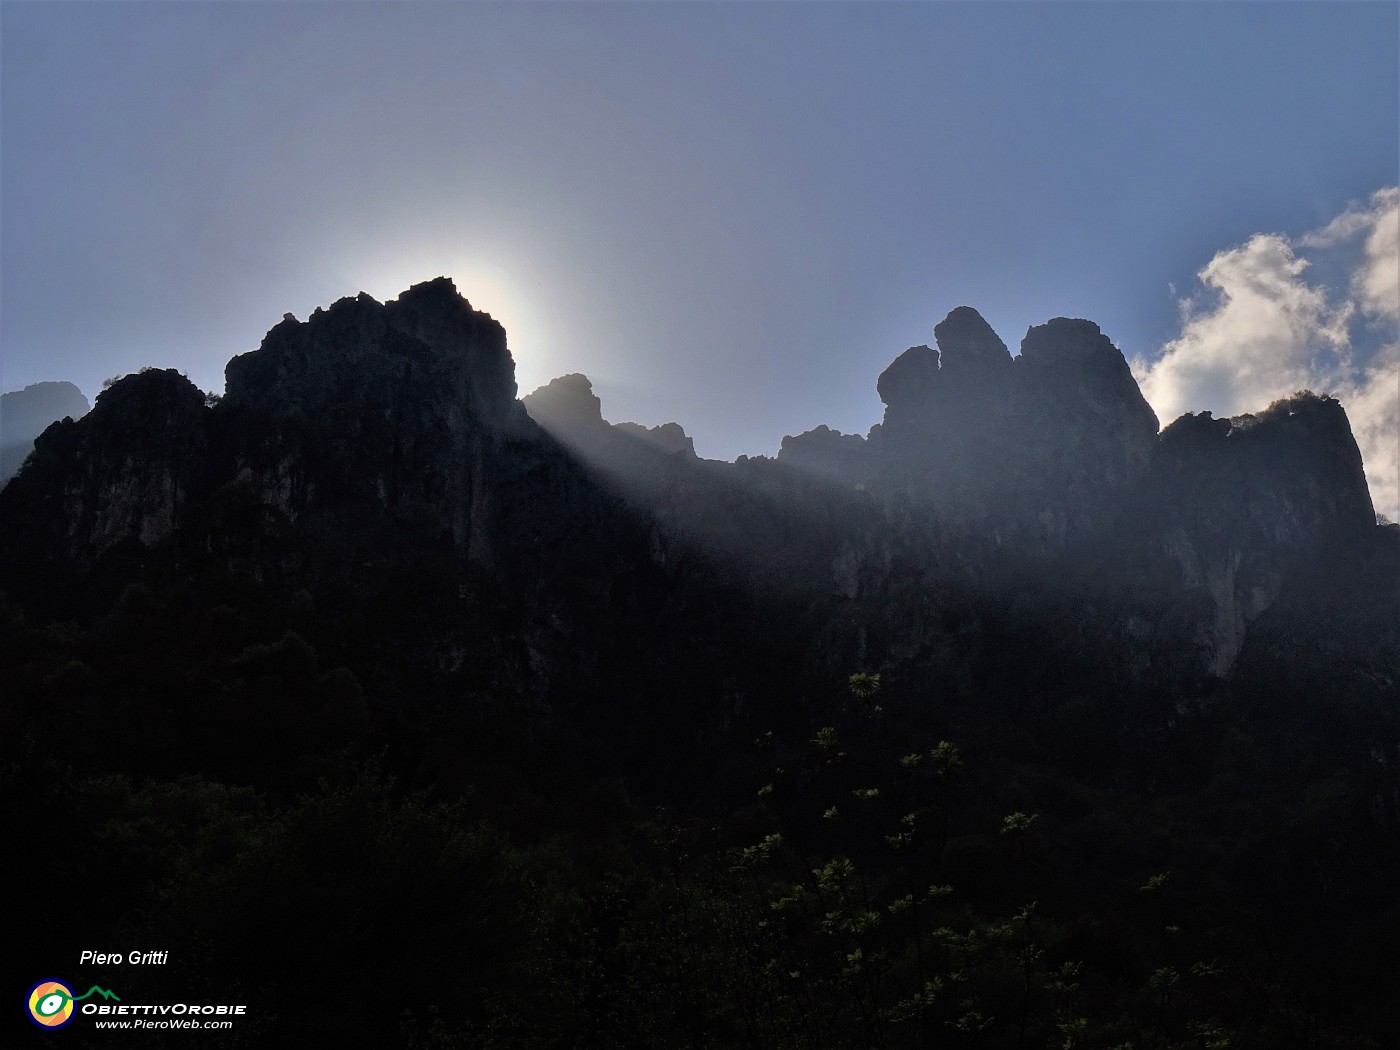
[[360, 666], [404, 416]]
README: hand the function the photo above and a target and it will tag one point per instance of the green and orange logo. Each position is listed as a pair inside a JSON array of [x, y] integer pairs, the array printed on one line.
[[51, 1002]]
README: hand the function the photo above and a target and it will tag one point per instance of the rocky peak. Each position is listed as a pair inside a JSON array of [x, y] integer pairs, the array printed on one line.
[[25, 414], [1088, 427], [152, 406], [568, 409], [1293, 468], [1034, 442], [946, 419], [439, 294], [667, 438], [393, 416], [827, 453], [1071, 363], [1235, 500], [566, 406], [969, 346], [1068, 341], [361, 350], [123, 474], [911, 377], [434, 313]]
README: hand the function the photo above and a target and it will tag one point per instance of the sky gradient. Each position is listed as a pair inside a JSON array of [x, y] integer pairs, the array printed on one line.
[[731, 216]]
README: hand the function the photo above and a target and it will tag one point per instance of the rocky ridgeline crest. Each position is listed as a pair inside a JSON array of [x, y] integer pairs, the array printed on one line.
[[406, 404], [568, 409], [1235, 502], [371, 428], [1030, 446], [383, 420], [361, 350], [121, 475], [1057, 449]]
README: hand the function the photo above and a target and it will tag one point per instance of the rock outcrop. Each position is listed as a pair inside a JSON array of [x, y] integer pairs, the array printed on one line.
[[27, 413], [367, 434], [375, 456], [407, 406], [1236, 503], [568, 409], [757, 519], [828, 453], [670, 439], [1029, 447], [376, 443], [1055, 455], [1084, 432], [120, 477]]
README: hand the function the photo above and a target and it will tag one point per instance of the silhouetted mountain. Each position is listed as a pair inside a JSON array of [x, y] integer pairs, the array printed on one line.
[[1238, 504], [374, 434], [365, 668], [1035, 446], [669, 438], [568, 409], [755, 519], [373, 449], [25, 414], [1087, 431], [828, 453], [1055, 454]]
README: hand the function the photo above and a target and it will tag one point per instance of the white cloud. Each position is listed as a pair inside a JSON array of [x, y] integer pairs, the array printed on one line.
[[1353, 220], [1260, 331], [1378, 284], [1376, 280], [1268, 334], [1373, 405]]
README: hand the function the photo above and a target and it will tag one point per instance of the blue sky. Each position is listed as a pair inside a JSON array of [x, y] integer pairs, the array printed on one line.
[[733, 216]]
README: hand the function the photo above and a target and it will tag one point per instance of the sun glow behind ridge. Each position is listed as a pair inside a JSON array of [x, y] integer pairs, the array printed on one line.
[[490, 287]]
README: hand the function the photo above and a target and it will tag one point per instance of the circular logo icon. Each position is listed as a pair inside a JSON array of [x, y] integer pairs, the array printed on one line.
[[51, 1004]]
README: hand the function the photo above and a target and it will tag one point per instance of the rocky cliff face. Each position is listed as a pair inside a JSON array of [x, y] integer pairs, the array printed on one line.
[[374, 443], [755, 519], [1055, 454], [122, 476], [1236, 503], [828, 453], [1086, 431], [568, 409], [376, 457], [670, 439], [407, 406], [1029, 447], [947, 421]]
